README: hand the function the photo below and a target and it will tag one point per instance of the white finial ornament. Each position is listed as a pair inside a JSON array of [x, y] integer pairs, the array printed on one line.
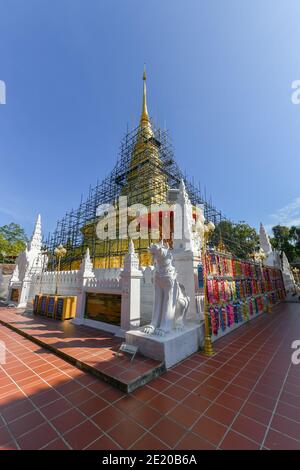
[[36, 239], [131, 261], [86, 267], [187, 234]]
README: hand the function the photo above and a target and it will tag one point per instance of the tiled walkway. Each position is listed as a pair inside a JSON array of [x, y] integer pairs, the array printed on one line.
[[246, 397], [94, 349]]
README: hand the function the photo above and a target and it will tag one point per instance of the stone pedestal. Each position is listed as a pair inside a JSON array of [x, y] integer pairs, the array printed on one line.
[[186, 264], [24, 294], [172, 348]]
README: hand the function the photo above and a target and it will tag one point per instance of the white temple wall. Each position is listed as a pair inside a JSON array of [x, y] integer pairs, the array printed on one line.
[[68, 283], [106, 281], [4, 284], [147, 294], [111, 273], [71, 283]]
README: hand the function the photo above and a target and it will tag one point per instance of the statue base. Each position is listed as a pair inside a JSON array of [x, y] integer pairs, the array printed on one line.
[[172, 348]]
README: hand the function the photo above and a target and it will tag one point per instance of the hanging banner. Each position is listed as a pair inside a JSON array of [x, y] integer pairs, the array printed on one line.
[[236, 290]]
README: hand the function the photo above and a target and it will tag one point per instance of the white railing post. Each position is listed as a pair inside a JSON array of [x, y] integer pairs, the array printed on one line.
[[131, 291], [85, 273]]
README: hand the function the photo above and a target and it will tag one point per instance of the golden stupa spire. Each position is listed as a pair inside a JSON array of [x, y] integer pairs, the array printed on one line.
[[221, 246], [145, 120]]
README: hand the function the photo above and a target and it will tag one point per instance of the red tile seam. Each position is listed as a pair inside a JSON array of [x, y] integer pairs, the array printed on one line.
[[208, 377], [66, 397], [235, 376], [189, 429], [102, 374], [10, 433], [87, 419], [267, 326], [238, 413], [275, 408], [37, 409], [40, 409]]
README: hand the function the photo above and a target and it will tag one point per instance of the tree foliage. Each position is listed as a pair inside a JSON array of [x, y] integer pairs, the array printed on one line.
[[287, 239], [12, 240], [240, 239]]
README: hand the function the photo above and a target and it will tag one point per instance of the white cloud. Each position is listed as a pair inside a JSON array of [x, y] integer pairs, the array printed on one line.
[[2, 92], [288, 215]]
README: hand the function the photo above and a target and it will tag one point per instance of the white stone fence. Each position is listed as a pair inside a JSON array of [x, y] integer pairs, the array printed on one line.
[[106, 281], [69, 283], [136, 288]]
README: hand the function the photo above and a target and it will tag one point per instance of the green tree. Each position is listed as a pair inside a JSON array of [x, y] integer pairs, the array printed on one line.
[[295, 234], [12, 240], [286, 239], [283, 240], [240, 239]]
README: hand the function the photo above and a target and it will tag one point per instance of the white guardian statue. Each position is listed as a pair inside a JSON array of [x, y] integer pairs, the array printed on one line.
[[170, 300]]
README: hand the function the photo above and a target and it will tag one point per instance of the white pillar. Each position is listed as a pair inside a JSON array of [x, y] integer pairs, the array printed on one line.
[[131, 291], [186, 264], [24, 293], [85, 273], [187, 249]]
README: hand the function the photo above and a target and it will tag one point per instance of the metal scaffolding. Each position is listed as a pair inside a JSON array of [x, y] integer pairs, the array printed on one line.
[[144, 172]]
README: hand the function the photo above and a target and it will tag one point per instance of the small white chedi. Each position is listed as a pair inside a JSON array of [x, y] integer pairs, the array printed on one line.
[[29, 262], [264, 240], [170, 300], [277, 259]]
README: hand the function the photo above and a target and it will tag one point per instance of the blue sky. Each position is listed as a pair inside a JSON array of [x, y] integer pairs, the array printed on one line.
[[219, 75]]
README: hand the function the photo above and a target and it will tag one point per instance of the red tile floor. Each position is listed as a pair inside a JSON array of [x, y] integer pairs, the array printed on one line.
[[94, 349], [245, 397]]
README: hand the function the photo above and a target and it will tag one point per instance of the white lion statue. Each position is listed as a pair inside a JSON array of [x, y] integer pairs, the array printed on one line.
[[170, 300]]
